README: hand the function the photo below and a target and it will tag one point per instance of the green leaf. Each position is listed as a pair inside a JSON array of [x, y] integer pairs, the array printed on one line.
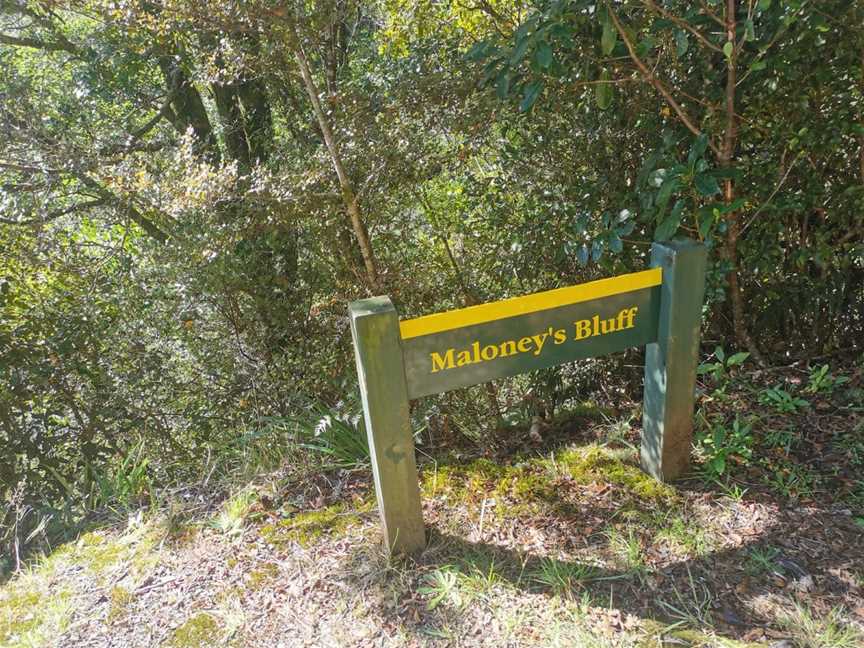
[[670, 225], [609, 38], [603, 91], [615, 243], [531, 92], [697, 149], [645, 47], [706, 185], [738, 358], [705, 225], [719, 353], [582, 255], [706, 367], [764, 5], [626, 228], [519, 52], [749, 31], [527, 26], [502, 86], [758, 65], [728, 48], [682, 44], [479, 51], [543, 55], [670, 184]]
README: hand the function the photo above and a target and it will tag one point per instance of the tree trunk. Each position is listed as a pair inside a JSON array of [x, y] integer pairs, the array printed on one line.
[[733, 219], [349, 197], [188, 109], [259, 120], [231, 116]]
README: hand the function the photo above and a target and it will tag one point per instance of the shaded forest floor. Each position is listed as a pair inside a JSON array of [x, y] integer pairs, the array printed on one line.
[[559, 542]]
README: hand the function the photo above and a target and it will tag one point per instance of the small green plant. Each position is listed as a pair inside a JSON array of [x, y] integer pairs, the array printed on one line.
[[443, 586], [628, 548], [733, 491], [690, 605], [339, 435], [719, 444], [760, 560], [562, 577], [232, 518], [618, 431], [791, 480], [782, 400], [684, 535], [781, 438], [852, 444], [128, 482], [719, 370], [482, 581], [823, 382]]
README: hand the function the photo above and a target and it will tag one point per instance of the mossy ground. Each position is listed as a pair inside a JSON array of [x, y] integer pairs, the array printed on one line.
[[570, 547], [200, 631], [307, 527]]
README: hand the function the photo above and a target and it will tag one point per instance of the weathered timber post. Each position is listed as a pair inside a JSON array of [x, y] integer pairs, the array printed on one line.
[[381, 373], [670, 363]]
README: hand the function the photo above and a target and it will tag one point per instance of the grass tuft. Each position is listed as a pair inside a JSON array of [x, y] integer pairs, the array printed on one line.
[[809, 630]]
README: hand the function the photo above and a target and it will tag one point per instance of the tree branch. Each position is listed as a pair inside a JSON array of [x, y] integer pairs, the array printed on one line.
[[57, 213], [109, 197], [707, 11], [654, 81], [349, 197], [33, 43], [683, 24], [138, 133]]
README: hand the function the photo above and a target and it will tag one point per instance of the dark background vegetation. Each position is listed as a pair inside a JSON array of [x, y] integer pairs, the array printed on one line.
[[192, 192]]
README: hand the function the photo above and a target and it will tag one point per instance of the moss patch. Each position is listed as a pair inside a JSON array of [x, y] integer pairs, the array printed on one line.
[[477, 480], [97, 552], [307, 527], [18, 614], [595, 464], [200, 631], [534, 485], [120, 600], [28, 614], [264, 574]]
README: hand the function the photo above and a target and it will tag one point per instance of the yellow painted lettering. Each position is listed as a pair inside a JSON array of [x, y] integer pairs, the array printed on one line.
[[583, 329], [539, 341], [439, 363], [464, 358], [508, 348], [489, 352], [607, 326]]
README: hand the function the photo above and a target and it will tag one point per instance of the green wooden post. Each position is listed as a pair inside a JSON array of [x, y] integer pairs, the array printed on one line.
[[670, 363], [378, 350]]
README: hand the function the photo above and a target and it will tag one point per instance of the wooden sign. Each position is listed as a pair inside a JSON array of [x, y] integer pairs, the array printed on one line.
[[659, 308], [473, 345]]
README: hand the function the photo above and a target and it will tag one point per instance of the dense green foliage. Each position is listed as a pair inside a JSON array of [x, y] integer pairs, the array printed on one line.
[[191, 192]]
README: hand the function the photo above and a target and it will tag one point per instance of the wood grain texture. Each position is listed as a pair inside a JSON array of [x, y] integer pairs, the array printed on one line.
[[375, 329], [670, 363]]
